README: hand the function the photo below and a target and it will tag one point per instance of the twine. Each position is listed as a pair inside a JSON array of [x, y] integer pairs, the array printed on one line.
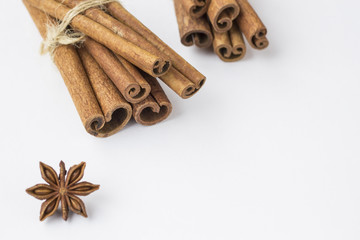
[[59, 34]]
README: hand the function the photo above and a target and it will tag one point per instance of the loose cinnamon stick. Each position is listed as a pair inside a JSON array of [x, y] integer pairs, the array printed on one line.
[[70, 66], [134, 91], [117, 111], [251, 25], [221, 14], [192, 31], [121, 29], [134, 54], [186, 69], [195, 8], [154, 108], [229, 46]]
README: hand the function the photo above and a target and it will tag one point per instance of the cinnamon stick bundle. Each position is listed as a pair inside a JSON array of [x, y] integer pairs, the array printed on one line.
[[222, 13], [195, 8], [229, 46], [180, 64], [133, 90], [155, 108], [141, 58], [251, 25], [117, 111], [229, 20], [192, 32]]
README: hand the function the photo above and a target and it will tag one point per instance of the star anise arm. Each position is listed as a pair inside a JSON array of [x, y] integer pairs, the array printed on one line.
[[42, 191], [76, 205], [75, 174], [49, 207], [64, 207], [83, 188], [49, 175]]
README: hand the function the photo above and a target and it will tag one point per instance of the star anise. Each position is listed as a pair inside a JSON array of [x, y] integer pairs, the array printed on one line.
[[62, 190]]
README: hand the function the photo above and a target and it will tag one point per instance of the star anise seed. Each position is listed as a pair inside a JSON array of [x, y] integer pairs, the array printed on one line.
[[61, 189]]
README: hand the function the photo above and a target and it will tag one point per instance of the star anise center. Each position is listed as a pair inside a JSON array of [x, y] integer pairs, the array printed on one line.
[[62, 191]]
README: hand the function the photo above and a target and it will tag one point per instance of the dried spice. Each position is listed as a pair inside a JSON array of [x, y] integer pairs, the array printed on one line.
[[252, 26], [229, 46], [193, 32], [228, 21], [221, 14], [61, 189]]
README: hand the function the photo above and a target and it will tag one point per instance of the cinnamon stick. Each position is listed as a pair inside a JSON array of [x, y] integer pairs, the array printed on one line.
[[195, 8], [134, 54], [71, 68], [117, 111], [179, 83], [229, 46], [154, 108], [252, 26], [222, 13], [186, 69], [133, 90], [192, 31]]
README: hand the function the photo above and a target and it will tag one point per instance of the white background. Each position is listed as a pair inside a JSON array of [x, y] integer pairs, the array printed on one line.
[[267, 150]]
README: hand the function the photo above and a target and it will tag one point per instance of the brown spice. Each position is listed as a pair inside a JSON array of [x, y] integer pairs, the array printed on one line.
[[251, 25], [221, 14], [134, 54], [154, 108], [195, 8], [186, 69], [61, 189], [132, 90], [192, 31], [117, 111], [229, 46], [180, 84]]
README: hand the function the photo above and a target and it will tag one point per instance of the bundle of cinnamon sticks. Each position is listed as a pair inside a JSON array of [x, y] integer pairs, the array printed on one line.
[[111, 73], [220, 24]]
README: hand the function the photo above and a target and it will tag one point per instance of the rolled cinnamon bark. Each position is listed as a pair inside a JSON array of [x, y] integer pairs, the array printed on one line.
[[117, 111], [186, 69], [222, 13], [192, 31], [154, 108], [229, 46], [179, 83], [70, 66], [195, 8], [133, 90], [141, 58], [251, 25], [121, 29]]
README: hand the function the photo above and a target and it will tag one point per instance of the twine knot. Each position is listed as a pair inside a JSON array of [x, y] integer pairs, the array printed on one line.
[[60, 34]]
